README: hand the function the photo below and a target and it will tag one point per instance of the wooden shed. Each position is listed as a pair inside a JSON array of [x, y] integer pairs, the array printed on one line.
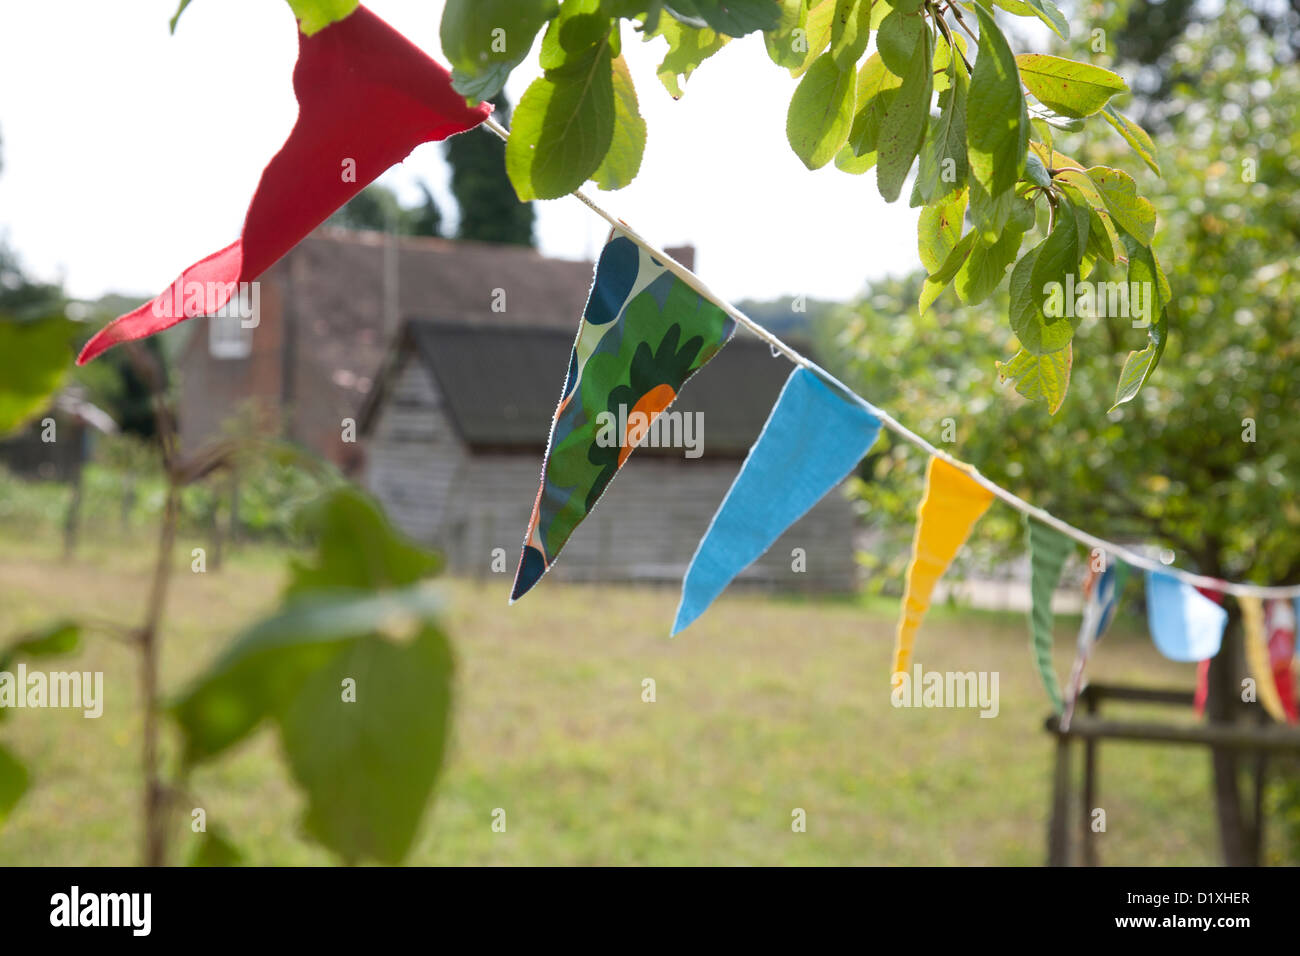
[[457, 423]]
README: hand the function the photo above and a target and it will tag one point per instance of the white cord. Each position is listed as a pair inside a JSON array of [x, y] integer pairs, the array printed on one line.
[[1092, 541]]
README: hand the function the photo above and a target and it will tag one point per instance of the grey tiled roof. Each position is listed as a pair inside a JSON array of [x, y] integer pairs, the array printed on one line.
[[502, 383]]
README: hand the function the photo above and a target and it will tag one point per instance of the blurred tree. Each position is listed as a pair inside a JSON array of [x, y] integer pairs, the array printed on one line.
[[788, 316], [426, 218], [38, 312], [1174, 461], [20, 296], [489, 209], [35, 342], [1206, 460], [1147, 34], [377, 208], [114, 382]]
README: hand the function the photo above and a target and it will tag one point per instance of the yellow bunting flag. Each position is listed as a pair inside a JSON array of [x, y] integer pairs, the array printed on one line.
[[1257, 659], [952, 503]]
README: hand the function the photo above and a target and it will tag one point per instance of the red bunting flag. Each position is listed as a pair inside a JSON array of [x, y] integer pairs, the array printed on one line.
[[367, 96]]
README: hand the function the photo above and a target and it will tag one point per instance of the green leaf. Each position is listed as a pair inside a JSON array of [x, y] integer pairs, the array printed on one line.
[[484, 40], [936, 283], [945, 63], [35, 356], [1066, 86], [847, 162], [850, 31], [687, 49], [735, 18], [56, 639], [1043, 378], [368, 767], [678, 13], [177, 16], [1036, 172], [1044, 131], [821, 112], [578, 28], [902, 129], [580, 25], [985, 267], [357, 548], [1135, 135], [876, 90], [1104, 238], [944, 166], [991, 214], [1138, 367], [363, 578], [623, 160], [267, 663], [1144, 270], [315, 15], [1046, 264], [357, 680], [897, 40], [650, 12], [1131, 212], [216, 849], [1045, 10], [939, 230], [563, 127], [13, 783], [997, 123], [816, 37], [478, 87], [1067, 123], [787, 44]]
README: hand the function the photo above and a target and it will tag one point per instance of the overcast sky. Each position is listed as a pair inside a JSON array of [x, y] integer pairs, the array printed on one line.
[[129, 153]]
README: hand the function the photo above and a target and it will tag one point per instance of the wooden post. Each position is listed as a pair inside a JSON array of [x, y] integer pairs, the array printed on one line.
[[214, 559], [1255, 741], [1090, 747], [1222, 707], [1260, 779], [72, 517], [1058, 827], [128, 500], [232, 530]]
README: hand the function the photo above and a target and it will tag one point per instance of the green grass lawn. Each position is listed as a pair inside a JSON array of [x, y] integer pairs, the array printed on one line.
[[764, 706]]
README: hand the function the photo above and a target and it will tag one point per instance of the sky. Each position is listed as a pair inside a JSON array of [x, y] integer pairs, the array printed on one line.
[[129, 153]]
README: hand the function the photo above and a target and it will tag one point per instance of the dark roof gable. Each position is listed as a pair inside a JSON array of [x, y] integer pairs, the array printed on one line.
[[501, 384]]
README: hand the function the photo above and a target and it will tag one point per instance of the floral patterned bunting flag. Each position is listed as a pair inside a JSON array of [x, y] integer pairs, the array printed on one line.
[[643, 333]]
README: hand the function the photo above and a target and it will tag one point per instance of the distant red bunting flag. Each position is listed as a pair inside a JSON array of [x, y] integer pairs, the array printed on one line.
[[366, 96]]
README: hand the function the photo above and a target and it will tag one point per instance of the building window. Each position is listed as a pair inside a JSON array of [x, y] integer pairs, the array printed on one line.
[[228, 338]]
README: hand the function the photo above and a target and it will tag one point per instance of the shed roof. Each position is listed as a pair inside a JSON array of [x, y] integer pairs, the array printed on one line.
[[501, 384]]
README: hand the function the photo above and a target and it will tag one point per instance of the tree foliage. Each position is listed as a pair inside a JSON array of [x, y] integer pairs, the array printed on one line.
[[489, 211], [35, 342], [377, 208], [56, 639], [1207, 460], [942, 101]]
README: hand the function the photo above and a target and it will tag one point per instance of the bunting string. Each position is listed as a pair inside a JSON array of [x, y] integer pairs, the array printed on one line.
[[1133, 558]]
